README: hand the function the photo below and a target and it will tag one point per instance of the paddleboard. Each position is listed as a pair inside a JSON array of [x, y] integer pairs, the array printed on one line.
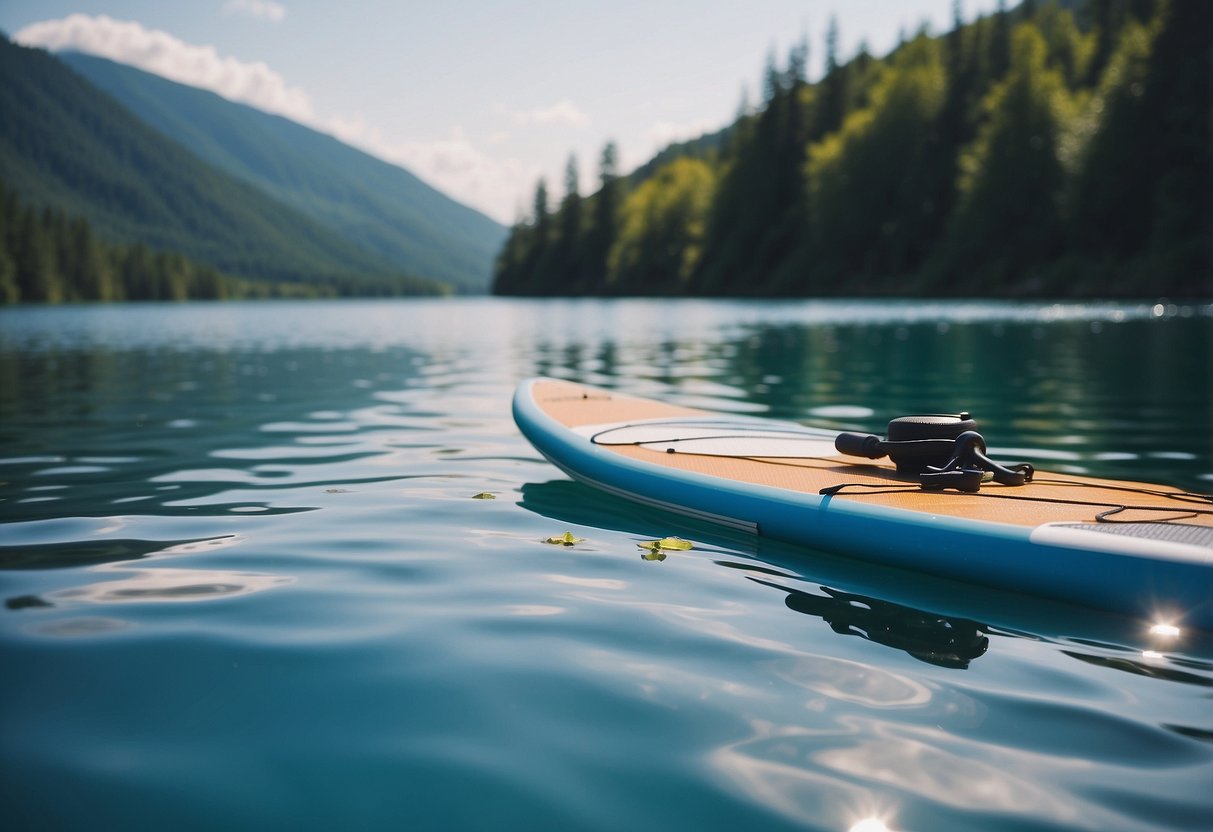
[[1126, 547]]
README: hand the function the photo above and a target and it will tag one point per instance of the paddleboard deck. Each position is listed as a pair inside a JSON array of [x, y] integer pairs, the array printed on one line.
[[1128, 547]]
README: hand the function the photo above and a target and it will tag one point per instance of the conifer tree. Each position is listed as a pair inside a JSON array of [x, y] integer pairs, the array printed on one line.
[[1109, 215], [872, 184], [1008, 219], [832, 109], [1000, 43], [983, 162], [9, 291], [567, 261], [604, 221], [1177, 98], [536, 277], [34, 256]]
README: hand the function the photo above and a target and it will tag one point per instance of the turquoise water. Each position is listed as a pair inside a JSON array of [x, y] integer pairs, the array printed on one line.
[[247, 585]]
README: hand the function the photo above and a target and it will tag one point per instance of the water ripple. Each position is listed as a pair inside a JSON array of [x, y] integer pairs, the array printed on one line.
[[163, 584], [239, 549]]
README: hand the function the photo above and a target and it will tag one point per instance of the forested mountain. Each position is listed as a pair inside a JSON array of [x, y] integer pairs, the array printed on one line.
[[47, 256], [1047, 151], [383, 208], [66, 146]]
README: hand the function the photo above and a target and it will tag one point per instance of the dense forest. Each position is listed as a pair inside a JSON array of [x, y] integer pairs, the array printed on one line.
[[48, 257], [1034, 152]]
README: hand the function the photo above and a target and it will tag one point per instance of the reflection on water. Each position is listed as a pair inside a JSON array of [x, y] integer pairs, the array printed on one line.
[[161, 584], [923, 763], [120, 583], [952, 634], [239, 548], [946, 641], [935, 639], [81, 627], [72, 553], [1149, 665]]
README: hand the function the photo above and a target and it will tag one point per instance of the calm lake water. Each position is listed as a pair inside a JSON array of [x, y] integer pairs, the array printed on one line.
[[247, 585]]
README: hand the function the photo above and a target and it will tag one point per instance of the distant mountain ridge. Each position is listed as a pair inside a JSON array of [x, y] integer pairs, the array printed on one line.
[[68, 147], [381, 207]]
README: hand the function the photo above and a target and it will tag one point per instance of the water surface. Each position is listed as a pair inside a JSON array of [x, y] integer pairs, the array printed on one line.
[[247, 584]]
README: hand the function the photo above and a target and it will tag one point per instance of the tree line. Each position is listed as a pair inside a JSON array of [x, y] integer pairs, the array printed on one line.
[[1038, 152], [47, 256]]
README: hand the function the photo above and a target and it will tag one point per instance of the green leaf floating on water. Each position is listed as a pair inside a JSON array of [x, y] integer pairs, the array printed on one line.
[[667, 544], [653, 554], [484, 495], [565, 539]]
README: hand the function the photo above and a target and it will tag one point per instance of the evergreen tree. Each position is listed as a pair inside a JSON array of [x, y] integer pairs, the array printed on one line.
[[135, 267], [1008, 220], [1110, 214], [756, 226], [34, 257], [10, 292], [567, 261], [507, 275], [1000, 43], [955, 126], [983, 162], [94, 278], [772, 80], [1177, 99], [872, 183], [604, 221], [535, 275], [832, 108], [1106, 20], [798, 63]]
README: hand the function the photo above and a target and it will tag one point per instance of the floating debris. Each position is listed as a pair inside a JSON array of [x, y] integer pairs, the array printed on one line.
[[566, 539], [667, 544], [484, 495]]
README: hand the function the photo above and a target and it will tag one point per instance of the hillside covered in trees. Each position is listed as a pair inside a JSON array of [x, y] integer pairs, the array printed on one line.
[[383, 208], [1039, 152], [47, 256], [99, 203]]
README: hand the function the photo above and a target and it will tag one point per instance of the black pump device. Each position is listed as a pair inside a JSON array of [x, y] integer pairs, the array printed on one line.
[[943, 451]]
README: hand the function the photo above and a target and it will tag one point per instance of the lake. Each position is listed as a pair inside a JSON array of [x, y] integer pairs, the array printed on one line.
[[247, 584]]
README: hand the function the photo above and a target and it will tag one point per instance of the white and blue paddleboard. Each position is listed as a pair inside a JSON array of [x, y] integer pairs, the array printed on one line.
[[1125, 547]]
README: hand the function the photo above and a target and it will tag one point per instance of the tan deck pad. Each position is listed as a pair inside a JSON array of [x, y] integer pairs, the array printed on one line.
[[1048, 498]]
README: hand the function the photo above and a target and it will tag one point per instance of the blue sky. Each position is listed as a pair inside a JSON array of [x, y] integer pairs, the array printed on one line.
[[479, 98]]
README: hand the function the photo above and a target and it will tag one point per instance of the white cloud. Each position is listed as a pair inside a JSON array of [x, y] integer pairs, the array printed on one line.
[[453, 164], [260, 9], [163, 54], [562, 112]]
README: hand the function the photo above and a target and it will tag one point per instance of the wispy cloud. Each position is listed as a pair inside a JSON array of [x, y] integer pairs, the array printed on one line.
[[163, 54], [263, 10], [260, 9], [453, 163], [562, 112]]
